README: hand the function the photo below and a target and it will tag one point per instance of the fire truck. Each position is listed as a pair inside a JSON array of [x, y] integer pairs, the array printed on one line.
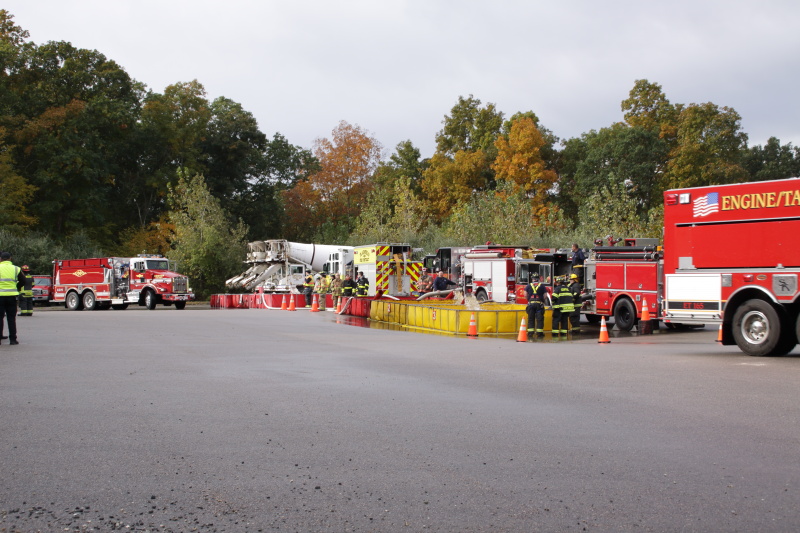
[[618, 280], [752, 288], [389, 268], [500, 273], [116, 282]]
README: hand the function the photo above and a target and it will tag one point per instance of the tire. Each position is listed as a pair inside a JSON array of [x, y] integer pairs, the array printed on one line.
[[593, 319], [150, 300], [758, 329], [73, 301], [624, 315], [89, 301], [481, 296], [180, 305], [119, 307]]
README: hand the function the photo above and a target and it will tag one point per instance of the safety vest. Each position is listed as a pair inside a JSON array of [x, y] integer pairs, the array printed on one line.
[[535, 292], [8, 279], [563, 299], [309, 282]]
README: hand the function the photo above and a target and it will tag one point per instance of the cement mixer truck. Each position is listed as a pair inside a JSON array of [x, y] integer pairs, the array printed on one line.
[[280, 266]]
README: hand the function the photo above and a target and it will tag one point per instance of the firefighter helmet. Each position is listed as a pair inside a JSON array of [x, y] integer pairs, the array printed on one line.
[[25, 268], [573, 276]]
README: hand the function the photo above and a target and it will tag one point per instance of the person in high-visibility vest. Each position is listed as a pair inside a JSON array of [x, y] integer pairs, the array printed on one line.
[[11, 279], [26, 294], [563, 306], [576, 289], [308, 289], [537, 299]]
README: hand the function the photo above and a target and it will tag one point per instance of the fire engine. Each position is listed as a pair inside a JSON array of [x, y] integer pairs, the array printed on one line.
[[752, 289], [389, 268], [500, 273], [618, 280], [103, 282]]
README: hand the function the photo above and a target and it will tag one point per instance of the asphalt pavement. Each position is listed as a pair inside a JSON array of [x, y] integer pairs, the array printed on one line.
[[258, 420]]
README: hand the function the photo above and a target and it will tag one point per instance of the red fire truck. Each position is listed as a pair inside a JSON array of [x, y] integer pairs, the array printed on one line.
[[100, 283], [752, 288], [500, 273], [618, 280]]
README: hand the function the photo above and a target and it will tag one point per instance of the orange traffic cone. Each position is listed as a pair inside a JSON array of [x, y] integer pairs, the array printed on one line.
[[291, 302], [645, 326], [284, 305], [719, 335], [315, 304], [339, 306], [645, 310], [473, 327], [523, 331], [603, 332]]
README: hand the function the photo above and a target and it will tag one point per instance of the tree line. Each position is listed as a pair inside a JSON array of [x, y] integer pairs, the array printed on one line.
[[92, 162]]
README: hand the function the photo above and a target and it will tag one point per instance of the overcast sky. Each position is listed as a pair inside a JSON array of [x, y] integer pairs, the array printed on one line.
[[396, 68]]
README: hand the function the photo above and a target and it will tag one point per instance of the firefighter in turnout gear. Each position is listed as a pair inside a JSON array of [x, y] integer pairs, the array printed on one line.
[[563, 306], [575, 317], [26, 293], [537, 296], [308, 288], [348, 286], [362, 285]]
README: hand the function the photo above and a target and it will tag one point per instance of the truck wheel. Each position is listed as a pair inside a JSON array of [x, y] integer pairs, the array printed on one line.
[[757, 329], [89, 301], [180, 305], [150, 300], [73, 301], [624, 315], [481, 296]]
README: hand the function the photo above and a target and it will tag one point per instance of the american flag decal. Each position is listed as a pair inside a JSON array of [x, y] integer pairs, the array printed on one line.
[[706, 205]]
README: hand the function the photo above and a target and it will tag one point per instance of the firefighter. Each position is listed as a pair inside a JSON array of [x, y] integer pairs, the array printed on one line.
[[537, 296], [362, 285], [578, 259], [11, 279], [308, 288], [336, 289], [575, 317], [425, 283], [26, 294], [348, 286], [563, 305]]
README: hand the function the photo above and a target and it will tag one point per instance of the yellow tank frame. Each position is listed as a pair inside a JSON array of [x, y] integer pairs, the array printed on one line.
[[450, 317]]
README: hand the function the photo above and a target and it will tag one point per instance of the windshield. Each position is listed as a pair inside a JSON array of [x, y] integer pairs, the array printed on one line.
[[42, 281], [157, 264]]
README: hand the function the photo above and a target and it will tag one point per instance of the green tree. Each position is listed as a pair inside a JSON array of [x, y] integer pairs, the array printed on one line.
[[612, 210], [15, 193], [207, 246], [469, 128], [70, 123], [503, 215], [772, 161], [709, 148], [260, 204]]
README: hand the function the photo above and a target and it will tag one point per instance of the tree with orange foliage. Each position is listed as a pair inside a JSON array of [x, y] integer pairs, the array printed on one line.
[[334, 195], [519, 161]]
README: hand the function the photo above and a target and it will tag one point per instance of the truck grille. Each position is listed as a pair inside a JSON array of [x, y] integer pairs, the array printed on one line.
[[180, 284]]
